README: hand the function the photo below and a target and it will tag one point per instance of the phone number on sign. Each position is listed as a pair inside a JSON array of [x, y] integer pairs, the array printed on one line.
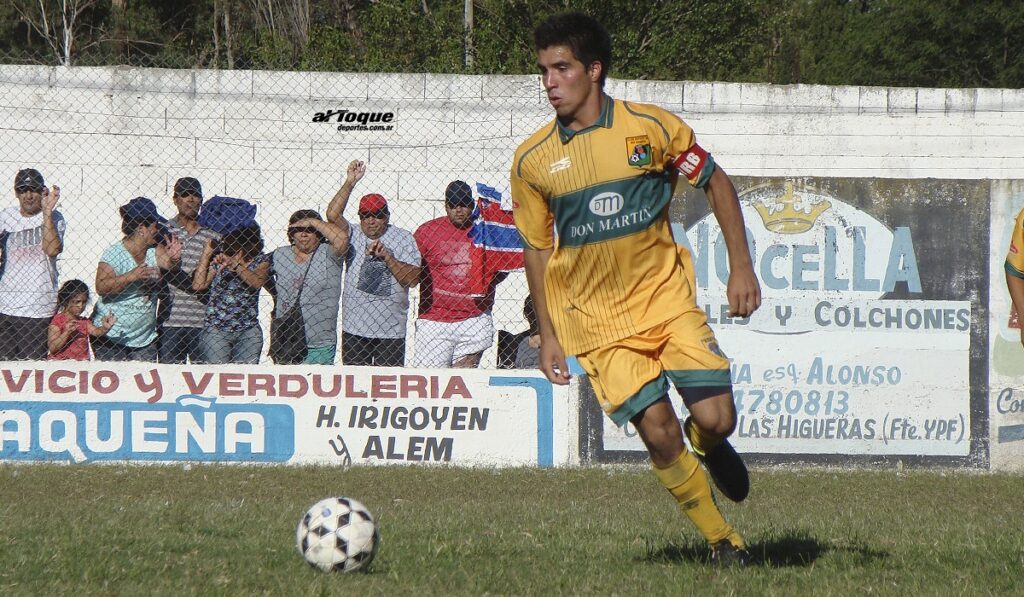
[[777, 402]]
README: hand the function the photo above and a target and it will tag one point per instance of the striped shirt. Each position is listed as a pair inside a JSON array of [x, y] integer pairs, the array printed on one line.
[[186, 308], [599, 198]]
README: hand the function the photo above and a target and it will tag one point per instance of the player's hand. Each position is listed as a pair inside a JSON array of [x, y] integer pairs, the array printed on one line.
[[743, 292], [356, 171], [552, 362]]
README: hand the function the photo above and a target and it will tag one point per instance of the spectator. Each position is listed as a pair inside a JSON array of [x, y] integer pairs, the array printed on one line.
[[317, 272], [233, 269], [381, 263], [182, 309], [32, 235], [454, 327], [528, 351], [68, 333], [127, 281]]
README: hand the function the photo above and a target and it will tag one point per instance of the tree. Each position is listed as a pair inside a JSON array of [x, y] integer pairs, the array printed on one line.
[[56, 22]]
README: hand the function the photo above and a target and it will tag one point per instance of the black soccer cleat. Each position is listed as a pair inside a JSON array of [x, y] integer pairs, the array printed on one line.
[[726, 468], [726, 555]]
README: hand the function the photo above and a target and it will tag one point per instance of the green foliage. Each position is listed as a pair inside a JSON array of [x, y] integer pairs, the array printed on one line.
[[945, 43]]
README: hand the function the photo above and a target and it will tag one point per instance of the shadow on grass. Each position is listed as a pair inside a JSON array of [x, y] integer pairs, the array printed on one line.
[[788, 550]]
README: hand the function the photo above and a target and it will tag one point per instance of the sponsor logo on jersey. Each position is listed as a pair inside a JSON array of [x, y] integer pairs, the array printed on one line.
[[606, 204], [638, 150], [562, 164]]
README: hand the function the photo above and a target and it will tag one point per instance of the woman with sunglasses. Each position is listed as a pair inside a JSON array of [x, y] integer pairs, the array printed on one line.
[[304, 265]]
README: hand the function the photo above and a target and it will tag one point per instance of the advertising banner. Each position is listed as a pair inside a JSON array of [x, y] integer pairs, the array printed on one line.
[[140, 412], [1006, 363], [870, 331]]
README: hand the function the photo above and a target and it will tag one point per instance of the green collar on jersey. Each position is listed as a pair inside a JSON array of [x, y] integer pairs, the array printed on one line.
[[603, 120]]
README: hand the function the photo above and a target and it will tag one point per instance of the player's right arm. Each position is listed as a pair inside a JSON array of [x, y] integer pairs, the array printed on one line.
[[552, 357], [535, 224]]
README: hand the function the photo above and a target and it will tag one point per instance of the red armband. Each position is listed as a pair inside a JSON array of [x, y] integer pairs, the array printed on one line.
[[691, 162]]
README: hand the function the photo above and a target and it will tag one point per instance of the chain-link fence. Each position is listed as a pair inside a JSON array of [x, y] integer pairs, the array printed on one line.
[[196, 206]]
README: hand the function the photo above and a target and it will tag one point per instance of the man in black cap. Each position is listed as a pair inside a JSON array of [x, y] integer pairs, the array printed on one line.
[[31, 235], [182, 309], [454, 327]]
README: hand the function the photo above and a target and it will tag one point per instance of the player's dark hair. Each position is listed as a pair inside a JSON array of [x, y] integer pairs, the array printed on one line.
[[69, 290], [588, 39]]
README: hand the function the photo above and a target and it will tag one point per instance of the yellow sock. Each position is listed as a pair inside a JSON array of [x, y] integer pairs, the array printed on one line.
[[686, 481], [700, 441]]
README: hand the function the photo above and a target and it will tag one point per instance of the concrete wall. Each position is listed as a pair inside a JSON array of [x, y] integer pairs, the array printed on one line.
[[107, 134]]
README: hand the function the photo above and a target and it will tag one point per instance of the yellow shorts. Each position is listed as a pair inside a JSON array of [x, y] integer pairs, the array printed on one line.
[[630, 374]]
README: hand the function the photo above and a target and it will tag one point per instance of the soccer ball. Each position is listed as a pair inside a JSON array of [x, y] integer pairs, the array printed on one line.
[[337, 534]]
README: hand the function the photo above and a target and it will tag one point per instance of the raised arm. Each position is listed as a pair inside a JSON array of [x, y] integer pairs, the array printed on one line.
[[52, 244], [336, 208]]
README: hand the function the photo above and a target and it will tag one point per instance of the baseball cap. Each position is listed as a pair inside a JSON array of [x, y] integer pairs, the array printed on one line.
[[458, 193], [141, 209], [188, 186], [29, 178], [373, 202]]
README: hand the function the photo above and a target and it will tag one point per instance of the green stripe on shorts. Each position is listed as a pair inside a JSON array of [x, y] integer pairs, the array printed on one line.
[[652, 391], [696, 378]]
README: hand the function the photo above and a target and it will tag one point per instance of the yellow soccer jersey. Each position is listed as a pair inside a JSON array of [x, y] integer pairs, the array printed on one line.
[[600, 198], [1015, 258]]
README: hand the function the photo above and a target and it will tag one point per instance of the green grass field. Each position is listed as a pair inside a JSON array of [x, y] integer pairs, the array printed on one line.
[[230, 530]]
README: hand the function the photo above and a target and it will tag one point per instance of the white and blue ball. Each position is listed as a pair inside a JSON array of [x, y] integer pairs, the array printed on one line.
[[338, 534]]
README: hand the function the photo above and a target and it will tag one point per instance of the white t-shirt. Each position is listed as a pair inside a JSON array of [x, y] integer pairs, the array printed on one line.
[[373, 303], [28, 277]]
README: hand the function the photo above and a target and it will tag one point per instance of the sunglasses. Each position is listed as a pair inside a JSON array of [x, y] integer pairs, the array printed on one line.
[[455, 205], [379, 214], [298, 229]]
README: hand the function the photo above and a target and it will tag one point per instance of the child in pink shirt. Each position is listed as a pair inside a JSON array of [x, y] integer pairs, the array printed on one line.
[[68, 334]]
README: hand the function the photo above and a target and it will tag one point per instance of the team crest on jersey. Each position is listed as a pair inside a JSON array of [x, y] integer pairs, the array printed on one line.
[[638, 150], [712, 345]]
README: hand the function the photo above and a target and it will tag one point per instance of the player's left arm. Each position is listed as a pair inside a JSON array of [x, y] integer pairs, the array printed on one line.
[[743, 289]]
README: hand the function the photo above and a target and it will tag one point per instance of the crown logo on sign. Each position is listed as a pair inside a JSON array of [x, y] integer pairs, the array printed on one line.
[[791, 213]]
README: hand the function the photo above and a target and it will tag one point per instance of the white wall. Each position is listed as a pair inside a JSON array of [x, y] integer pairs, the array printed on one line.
[[107, 134]]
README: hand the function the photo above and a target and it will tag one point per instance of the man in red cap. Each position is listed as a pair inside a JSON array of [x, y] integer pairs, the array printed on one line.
[[381, 263]]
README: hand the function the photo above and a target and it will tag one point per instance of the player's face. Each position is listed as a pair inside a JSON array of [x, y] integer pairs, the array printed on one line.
[[573, 88]]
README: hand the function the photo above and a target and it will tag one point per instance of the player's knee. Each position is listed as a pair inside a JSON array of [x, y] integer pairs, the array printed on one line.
[[717, 422]]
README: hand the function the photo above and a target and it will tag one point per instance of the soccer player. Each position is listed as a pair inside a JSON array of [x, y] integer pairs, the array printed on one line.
[[615, 289]]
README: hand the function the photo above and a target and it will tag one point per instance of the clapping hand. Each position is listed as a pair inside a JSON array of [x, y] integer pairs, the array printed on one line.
[[378, 249]]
